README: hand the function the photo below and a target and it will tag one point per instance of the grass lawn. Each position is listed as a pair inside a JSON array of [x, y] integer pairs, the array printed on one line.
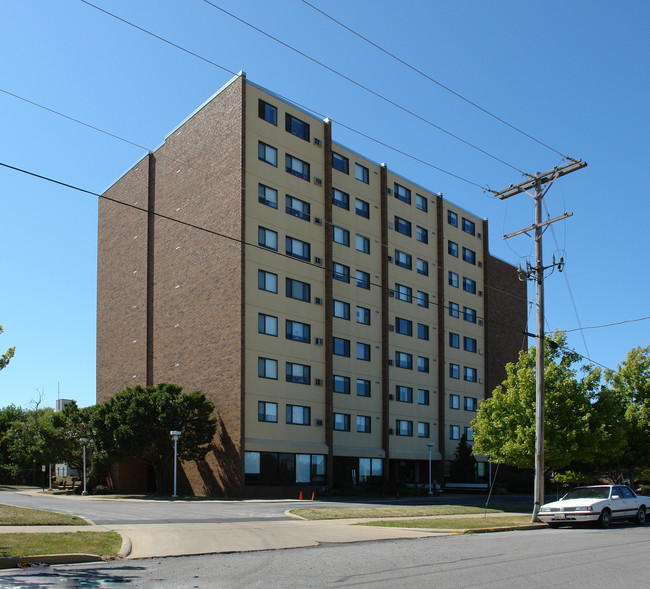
[[400, 511], [100, 543], [458, 523], [24, 516]]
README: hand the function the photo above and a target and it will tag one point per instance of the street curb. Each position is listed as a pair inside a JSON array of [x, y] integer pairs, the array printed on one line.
[[126, 547], [10, 562]]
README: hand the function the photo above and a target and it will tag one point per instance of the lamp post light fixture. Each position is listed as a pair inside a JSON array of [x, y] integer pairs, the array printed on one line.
[[430, 445], [84, 441], [175, 434]]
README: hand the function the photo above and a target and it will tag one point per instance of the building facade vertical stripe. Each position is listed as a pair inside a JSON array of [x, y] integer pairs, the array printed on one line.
[[242, 416], [151, 218], [385, 406], [442, 307]]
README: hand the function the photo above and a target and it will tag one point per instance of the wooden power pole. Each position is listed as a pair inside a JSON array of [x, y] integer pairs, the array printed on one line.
[[537, 183]]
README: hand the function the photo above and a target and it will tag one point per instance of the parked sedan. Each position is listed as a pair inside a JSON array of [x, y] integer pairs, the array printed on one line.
[[601, 503]]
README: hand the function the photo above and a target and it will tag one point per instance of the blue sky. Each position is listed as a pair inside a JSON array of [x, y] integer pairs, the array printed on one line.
[[572, 74]]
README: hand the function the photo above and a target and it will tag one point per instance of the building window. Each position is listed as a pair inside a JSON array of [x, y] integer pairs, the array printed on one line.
[[421, 234], [298, 290], [403, 326], [341, 347], [363, 424], [469, 255], [362, 244], [469, 344], [340, 235], [469, 314], [297, 167], [268, 112], [340, 199], [297, 331], [452, 219], [267, 281], [453, 279], [454, 310], [402, 193], [341, 272], [404, 360], [341, 384], [421, 202], [362, 208], [298, 373], [267, 368], [454, 340], [298, 249], [267, 153], [267, 196], [469, 285], [267, 412], [369, 469], [423, 397], [363, 387], [342, 422], [471, 404], [267, 238], [469, 434], [340, 163], [267, 324], [423, 430], [404, 428], [454, 402], [363, 351], [423, 331], [404, 394], [422, 299], [298, 415], [362, 173], [403, 259], [454, 371], [452, 248], [298, 208], [454, 432], [402, 226], [296, 127], [470, 374], [403, 293], [468, 226], [422, 267], [341, 309], [363, 315], [363, 279], [423, 364]]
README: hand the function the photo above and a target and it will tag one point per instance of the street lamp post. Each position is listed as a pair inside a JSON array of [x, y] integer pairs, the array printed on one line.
[[175, 434], [84, 441], [430, 445]]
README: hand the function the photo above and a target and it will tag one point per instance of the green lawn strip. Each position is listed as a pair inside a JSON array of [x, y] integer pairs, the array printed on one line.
[[458, 523], [25, 516], [400, 511], [20, 544]]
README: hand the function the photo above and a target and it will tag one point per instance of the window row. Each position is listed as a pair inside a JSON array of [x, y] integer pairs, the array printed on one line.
[[405, 228], [468, 254], [296, 248], [342, 164], [469, 314], [405, 293], [467, 225], [404, 394], [404, 427], [405, 327], [342, 423], [293, 125], [469, 285], [341, 309], [294, 289], [341, 347], [469, 374], [342, 384], [405, 360], [342, 200], [281, 467], [293, 165], [298, 373], [342, 237], [469, 343], [469, 403], [454, 433], [405, 260], [342, 272], [404, 194]]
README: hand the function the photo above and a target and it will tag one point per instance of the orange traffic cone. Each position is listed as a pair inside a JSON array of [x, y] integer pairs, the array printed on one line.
[[300, 497], [313, 495]]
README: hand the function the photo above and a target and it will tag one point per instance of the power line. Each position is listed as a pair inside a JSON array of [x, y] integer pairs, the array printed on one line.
[[306, 56], [606, 325], [440, 84]]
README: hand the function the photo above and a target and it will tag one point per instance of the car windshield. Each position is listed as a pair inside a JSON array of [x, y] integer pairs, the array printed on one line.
[[588, 493]]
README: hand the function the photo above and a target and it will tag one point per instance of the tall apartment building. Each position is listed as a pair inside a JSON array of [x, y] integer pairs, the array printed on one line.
[[340, 316]]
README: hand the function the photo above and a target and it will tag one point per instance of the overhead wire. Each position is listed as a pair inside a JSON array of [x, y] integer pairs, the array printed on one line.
[[433, 80]]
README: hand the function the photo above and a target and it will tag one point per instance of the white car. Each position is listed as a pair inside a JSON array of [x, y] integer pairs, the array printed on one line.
[[601, 503]]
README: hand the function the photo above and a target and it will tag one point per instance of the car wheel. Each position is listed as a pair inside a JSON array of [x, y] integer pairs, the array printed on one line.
[[605, 518], [640, 516]]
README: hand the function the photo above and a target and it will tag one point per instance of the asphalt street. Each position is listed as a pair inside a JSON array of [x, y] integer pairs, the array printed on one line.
[[568, 558]]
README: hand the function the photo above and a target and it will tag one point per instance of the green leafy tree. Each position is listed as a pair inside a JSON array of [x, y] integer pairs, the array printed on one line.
[[135, 425], [8, 355], [577, 428]]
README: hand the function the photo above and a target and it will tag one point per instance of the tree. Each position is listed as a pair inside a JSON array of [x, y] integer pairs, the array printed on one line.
[[577, 428], [8, 355], [463, 468], [135, 425]]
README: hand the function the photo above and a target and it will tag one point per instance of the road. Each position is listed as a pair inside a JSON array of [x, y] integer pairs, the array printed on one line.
[[566, 558]]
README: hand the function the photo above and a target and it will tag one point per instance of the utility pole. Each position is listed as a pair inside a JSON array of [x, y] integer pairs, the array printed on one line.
[[536, 183]]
